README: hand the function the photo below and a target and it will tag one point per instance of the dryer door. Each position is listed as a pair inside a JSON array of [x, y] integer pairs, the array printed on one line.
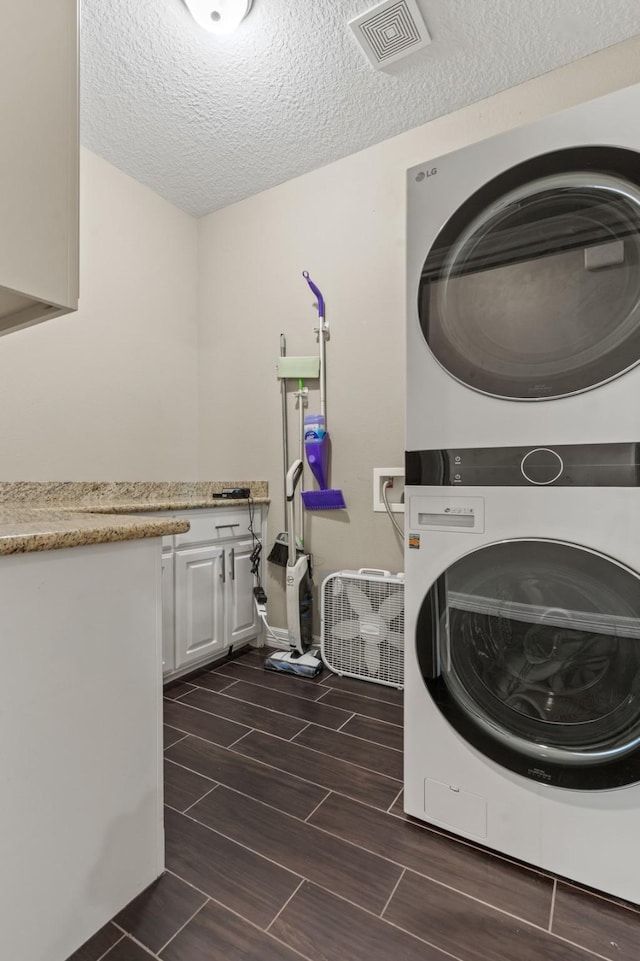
[[531, 290], [531, 650]]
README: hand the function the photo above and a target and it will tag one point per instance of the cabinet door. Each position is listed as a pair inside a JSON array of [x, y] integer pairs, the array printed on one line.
[[38, 161], [168, 613], [242, 620], [199, 610]]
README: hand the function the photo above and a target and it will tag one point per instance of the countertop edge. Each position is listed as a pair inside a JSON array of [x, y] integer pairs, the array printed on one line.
[[131, 507], [49, 540]]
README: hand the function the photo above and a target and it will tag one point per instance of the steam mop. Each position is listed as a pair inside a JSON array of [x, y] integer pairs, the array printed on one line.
[[300, 659]]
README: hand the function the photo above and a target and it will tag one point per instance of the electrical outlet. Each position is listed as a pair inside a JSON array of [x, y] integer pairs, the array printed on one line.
[[394, 493]]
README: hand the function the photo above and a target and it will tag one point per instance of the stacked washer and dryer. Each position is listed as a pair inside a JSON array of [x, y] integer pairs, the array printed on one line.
[[522, 675]]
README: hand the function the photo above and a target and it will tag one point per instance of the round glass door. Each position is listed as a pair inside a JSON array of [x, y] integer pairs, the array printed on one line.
[[531, 649], [532, 290]]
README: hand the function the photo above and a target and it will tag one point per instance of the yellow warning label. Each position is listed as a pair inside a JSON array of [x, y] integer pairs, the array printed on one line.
[[414, 541]]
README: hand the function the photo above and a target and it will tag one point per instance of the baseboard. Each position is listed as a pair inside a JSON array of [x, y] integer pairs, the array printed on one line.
[[278, 638]]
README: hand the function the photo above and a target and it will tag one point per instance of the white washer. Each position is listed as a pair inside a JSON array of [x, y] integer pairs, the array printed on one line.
[[524, 284], [522, 679]]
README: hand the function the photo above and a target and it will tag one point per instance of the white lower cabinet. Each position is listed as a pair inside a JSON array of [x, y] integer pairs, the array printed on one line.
[[207, 588], [168, 614], [242, 622], [199, 604]]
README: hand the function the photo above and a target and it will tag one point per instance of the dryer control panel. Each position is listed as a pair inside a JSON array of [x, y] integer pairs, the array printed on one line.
[[429, 512], [543, 465]]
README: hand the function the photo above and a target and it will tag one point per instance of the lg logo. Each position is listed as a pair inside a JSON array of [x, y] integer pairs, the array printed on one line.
[[426, 173]]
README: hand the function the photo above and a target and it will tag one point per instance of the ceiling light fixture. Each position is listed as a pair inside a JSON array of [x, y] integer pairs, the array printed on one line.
[[219, 16]]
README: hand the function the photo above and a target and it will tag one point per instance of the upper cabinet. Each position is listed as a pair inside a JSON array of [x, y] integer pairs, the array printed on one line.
[[38, 161]]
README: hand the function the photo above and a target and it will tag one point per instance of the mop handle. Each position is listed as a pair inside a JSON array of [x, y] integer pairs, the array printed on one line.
[[322, 338], [316, 291]]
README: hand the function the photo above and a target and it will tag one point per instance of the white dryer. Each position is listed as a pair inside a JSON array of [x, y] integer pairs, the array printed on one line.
[[524, 284], [522, 679]]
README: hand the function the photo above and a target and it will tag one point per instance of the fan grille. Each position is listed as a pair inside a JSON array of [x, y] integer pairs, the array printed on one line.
[[390, 31], [362, 631]]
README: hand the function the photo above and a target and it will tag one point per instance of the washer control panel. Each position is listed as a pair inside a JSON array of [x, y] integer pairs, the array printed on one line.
[[543, 465]]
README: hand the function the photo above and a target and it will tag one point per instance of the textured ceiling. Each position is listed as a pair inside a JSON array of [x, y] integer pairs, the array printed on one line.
[[206, 120]]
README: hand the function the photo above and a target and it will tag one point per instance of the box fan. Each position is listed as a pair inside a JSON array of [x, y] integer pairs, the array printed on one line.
[[362, 625]]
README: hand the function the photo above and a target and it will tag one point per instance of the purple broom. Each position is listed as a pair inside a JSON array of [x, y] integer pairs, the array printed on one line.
[[316, 438]]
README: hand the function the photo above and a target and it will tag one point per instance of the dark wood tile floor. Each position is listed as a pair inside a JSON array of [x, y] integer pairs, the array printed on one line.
[[286, 839]]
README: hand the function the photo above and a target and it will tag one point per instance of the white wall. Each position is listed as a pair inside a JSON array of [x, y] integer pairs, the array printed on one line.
[[345, 223], [109, 393]]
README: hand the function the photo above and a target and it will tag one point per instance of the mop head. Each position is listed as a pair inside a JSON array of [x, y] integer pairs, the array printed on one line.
[[329, 500], [290, 662]]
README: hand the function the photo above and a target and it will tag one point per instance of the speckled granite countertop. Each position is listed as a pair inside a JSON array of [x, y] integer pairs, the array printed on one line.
[[40, 516], [24, 529]]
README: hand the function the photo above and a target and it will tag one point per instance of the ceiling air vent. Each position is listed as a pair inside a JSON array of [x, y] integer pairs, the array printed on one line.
[[390, 31]]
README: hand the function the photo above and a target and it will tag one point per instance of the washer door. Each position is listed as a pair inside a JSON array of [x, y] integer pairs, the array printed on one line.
[[531, 290], [531, 650]]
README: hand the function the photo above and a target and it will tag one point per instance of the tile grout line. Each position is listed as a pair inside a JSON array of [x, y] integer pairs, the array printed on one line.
[[477, 900], [261, 707], [464, 842], [432, 944], [237, 914], [272, 710], [103, 956], [387, 777], [179, 696], [353, 903], [212, 690], [559, 940], [354, 844], [245, 847], [360, 847], [183, 926], [280, 810], [229, 747], [202, 710], [427, 829], [367, 740], [292, 895], [296, 777], [175, 742], [191, 771], [355, 712], [360, 767], [206, 794], [395, 888], [553, 904], [301, 731], [129, 937], [395, 801], [269, 687], [319, 804], [346, 722], [368, 697]]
